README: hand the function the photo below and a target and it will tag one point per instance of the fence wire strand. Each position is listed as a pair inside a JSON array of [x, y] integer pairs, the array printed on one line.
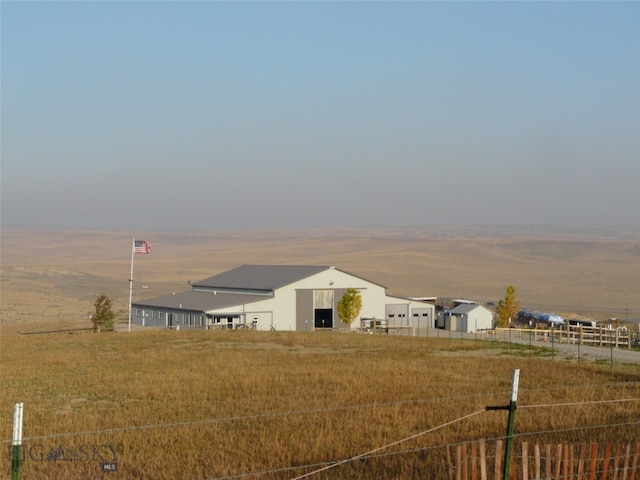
[[374, 455], [397, 442], [205, 421]]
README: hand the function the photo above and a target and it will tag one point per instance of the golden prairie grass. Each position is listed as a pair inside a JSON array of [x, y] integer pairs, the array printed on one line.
[[203, 404]]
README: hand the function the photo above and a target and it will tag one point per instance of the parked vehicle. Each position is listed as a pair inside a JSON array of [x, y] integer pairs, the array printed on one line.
[[551, 319]]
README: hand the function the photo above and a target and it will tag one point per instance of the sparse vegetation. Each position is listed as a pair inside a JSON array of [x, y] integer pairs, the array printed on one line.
[[209, 404], [103, 314]]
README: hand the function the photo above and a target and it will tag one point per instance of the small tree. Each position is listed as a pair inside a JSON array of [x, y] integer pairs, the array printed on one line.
[[507, 308], [349, 306], [103, 315]]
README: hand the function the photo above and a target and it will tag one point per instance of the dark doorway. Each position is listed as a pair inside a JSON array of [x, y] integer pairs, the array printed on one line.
[[323, 318], [170, 320]]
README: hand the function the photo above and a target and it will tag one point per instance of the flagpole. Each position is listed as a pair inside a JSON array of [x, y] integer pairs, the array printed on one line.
[[133, 251]]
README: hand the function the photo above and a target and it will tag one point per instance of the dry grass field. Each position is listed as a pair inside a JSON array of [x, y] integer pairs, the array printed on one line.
[[272, 405], [275, 405]]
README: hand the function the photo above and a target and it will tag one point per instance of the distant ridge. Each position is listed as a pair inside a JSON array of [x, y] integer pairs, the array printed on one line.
[[625, 232]]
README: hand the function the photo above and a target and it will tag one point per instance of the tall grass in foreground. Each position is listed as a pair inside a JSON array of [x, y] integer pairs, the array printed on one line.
[[201, 405]]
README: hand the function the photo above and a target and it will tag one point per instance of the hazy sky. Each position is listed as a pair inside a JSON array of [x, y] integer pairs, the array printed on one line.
[[217, 115]]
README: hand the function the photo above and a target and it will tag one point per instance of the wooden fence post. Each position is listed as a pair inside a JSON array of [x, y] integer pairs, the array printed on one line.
[[616, 461], [605, 462], [483, 460], [558, 461], [464, 461], [567, 462], [450, 470], [592, 463], [525, 461], [473, 461], [627, 455], [635, 466], [572, 460], [600, 336], [581, 460], [498, 464]]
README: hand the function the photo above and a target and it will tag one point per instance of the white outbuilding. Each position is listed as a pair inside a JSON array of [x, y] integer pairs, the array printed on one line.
[[469, 318], [278, 297]]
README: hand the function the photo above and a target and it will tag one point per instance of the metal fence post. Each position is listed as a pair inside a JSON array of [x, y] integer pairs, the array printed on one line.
[[511, 424], [17, 441]]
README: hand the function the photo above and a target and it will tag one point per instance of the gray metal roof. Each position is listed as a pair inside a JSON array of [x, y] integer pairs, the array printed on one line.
[[466, 308], [259, 277], [198, 301], [233, 288]]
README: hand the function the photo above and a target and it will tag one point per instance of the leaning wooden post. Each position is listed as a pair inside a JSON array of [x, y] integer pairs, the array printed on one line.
[[17, 441], [558, 461], [581, 460]]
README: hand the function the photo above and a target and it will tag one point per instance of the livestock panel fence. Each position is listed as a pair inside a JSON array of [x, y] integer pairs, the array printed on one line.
[[483, 460]]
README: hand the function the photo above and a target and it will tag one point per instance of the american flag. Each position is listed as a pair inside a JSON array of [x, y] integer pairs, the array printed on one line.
[[141, 246]]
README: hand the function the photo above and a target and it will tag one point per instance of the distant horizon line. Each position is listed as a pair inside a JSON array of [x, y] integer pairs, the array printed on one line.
[[618, 230]]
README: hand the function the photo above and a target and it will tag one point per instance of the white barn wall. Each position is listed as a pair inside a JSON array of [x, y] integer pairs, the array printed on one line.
[[279, 312], [414, 314], [480, 318], [422, 316], [286, 309], [373, 297]]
